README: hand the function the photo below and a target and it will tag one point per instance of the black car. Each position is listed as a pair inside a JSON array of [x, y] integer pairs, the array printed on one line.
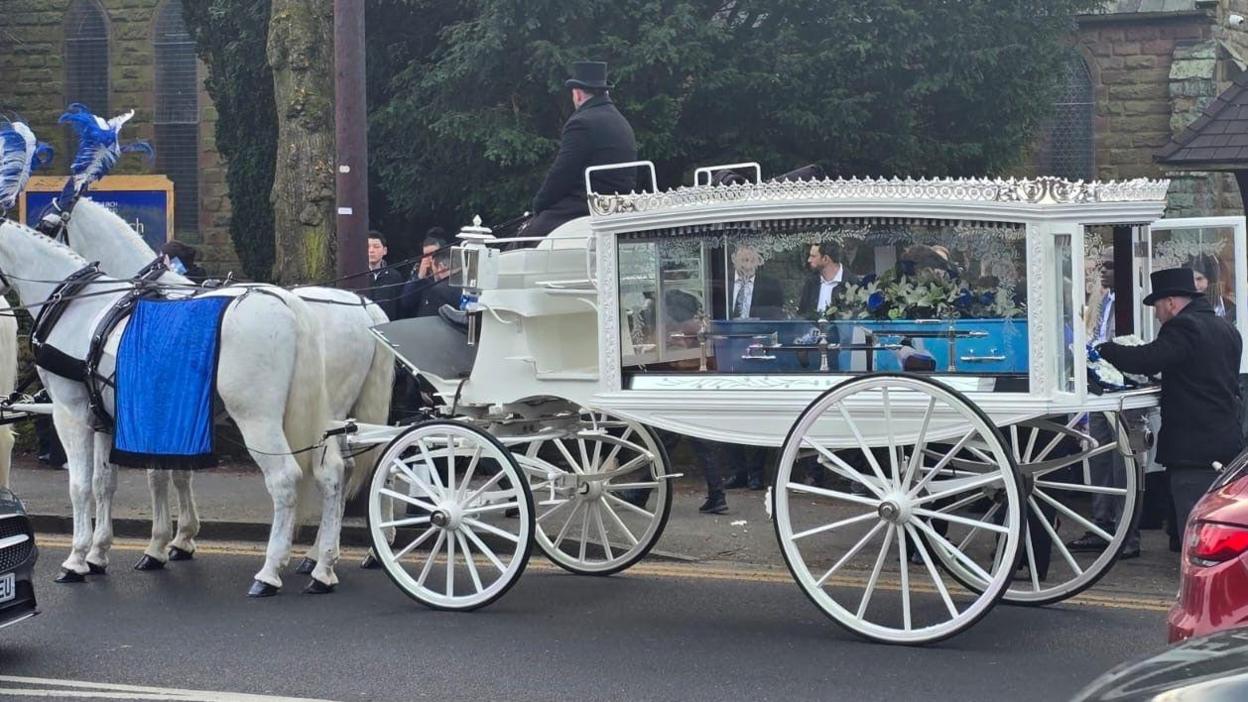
[[1205, 669], [17, 561]]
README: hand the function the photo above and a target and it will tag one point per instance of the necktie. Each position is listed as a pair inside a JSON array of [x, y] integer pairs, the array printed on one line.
[[738, 304]]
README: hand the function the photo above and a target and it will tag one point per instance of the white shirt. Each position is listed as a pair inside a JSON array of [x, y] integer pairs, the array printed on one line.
[[827, 287], [743, 295]]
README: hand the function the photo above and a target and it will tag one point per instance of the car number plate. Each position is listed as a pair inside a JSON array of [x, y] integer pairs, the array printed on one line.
[[8, 587]]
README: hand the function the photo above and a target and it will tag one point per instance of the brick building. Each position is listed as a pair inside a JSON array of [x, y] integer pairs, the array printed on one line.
[[113, 56], [1140, 71]]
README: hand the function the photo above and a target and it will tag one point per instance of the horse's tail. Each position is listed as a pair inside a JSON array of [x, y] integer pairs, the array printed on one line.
[[373, 404], [307, 414]]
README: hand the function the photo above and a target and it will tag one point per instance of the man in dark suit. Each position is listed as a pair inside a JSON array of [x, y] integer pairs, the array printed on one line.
[[596, 134], [384, 283], [1198, 357], [751, 294], [828, 276]]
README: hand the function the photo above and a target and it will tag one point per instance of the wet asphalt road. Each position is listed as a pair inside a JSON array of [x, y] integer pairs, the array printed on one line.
[[678, 635]]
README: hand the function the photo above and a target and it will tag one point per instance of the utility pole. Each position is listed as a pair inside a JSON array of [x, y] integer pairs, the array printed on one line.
[[351, 142]]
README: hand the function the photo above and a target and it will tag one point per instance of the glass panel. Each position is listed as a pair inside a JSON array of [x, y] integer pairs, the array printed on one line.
[[1210, 251], [1063, 253], [827, 295]]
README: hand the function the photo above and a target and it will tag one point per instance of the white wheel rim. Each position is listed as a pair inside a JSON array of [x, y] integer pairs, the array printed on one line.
[[1069, 572], [926, 604], [465, 502], [573, 522]]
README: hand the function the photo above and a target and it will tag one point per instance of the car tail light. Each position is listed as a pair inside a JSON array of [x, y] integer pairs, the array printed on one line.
[[1212, 543]]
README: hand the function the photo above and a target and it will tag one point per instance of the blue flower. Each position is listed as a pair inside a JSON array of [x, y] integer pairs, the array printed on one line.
[[1093, 354], [964, 300], [869, 278], [988, 298], [875, 302]]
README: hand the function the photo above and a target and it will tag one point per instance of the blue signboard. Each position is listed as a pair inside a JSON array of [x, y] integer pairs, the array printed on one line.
[[145, 202]]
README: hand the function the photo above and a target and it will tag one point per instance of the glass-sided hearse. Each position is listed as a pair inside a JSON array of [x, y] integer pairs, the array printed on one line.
[[914, 349]]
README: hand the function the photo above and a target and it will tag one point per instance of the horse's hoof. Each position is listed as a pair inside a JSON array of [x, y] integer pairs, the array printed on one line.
[[261, 589], [316, 587], [306, 566], [96, 569], [177, 554], [149, 563], [370, 561], [69, 576]]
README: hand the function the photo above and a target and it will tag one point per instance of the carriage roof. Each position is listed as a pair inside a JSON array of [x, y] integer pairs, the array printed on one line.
[[976, 199]]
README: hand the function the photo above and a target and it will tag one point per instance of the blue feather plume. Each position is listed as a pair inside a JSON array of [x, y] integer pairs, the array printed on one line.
[[20, 153], [99, 145]]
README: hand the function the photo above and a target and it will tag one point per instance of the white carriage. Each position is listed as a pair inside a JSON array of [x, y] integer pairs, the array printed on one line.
[[942, 491]]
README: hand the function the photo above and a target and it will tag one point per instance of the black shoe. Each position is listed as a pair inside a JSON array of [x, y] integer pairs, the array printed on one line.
[[736, 482], [1128, 554], [44, 458], [1087, 542], [715, 504]]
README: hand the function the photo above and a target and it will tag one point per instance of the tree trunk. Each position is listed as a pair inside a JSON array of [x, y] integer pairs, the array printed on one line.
[[301, 54]]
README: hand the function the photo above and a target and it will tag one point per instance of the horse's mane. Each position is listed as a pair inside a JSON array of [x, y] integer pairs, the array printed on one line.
[[100, 214], [47, 242]]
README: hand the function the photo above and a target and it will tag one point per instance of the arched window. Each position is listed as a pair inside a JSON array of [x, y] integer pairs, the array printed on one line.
[[1067, 149], [86, 55], [177, 113]]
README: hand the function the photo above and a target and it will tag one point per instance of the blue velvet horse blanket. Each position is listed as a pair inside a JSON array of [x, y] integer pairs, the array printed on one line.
[[166, 383]]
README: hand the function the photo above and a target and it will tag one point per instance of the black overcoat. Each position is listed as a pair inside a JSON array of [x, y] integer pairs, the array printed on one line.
[[1198, 356], [595, 135]]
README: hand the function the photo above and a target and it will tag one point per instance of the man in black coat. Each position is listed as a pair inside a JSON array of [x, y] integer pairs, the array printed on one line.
[[751, 293], [1198, 357], [829, 275], [385, 284], [596, 134]]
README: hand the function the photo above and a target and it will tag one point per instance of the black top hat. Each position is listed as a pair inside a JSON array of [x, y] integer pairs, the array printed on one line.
[[588, 74], [1172, 282]]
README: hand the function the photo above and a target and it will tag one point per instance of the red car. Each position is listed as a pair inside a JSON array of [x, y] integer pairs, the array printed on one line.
[[1213, 579]]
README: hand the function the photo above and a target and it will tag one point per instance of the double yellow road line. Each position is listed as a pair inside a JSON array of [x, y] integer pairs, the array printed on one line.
[[654, 569]]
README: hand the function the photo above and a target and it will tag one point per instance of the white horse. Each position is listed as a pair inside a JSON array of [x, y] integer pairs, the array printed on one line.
[[359, 373], [270, 378], [8, 381]]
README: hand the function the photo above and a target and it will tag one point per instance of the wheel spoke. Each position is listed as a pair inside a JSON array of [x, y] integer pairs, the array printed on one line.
[[1057, 437], [941, 463], [414, 543], [433, 552], [938, 581], [963, 485], [942, 542], [1053, 536], [852, 552], [892, 441], [477, 524], [1074, 516], [412, 521], [955, 506], [930, 514], [567, 456], [412, 479], [628, 506], [407, 498], [472, 567], [596, 466], [1076, 487], [619, 523], [919, 445], [834, 494], [862, 445], [835, 525], [476, 494], [905, 579], [843, 469], [613, 487], [563, 531], [450, 567], [554, 509], [489, 553], [602, 532], [472, 468], [875, 572], [1031, 445], [615, 450], [1031, 558], [974, 532], [433, 467], [450, 471], [492, 508], [584, 531]]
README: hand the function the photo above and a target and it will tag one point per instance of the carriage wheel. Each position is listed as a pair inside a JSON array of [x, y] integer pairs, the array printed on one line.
[[600, 526], [889, 441], [454, 549], [1060, 491]]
